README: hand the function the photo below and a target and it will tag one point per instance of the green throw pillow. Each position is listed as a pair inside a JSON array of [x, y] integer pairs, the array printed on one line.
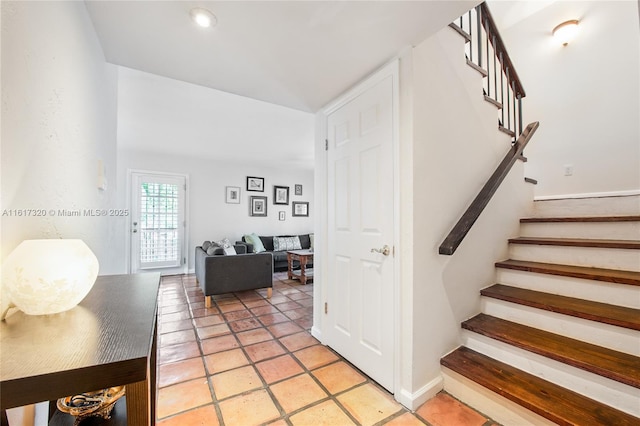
[[253, 239]]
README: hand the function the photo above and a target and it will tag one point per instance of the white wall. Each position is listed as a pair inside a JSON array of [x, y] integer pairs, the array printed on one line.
[[209, 217], [160, 114], [217, 139], [585, 95], [455, 148], [58, 120]]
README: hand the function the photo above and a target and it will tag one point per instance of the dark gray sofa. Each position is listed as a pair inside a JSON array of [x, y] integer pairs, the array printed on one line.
[[220, 273], [279, 257]]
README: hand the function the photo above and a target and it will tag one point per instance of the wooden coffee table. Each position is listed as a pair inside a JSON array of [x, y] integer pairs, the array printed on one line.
[[304, 257]]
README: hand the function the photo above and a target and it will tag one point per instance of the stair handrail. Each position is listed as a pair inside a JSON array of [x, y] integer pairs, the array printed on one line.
[[460, 230], [488, 52]]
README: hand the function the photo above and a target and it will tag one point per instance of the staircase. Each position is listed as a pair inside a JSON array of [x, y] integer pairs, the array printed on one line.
[[558, 339]]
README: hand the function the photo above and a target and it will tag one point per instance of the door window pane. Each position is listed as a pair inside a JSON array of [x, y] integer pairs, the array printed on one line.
[[159, 236]]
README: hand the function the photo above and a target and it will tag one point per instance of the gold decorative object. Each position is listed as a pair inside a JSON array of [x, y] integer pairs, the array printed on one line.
[[88, 404]]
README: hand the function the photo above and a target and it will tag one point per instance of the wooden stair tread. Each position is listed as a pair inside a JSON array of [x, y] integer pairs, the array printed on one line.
[[460, 31], [507, 131], [577, 242], [619, 366], [493, 101], [478, 68], [597, 274], [595, 311], [580, 219], [551, 401]]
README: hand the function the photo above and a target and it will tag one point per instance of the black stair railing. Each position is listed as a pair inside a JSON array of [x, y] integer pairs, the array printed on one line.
[[486, 49], [502, 87]]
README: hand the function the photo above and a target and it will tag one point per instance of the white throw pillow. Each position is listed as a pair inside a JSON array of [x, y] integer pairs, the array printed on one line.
[[286, 243]]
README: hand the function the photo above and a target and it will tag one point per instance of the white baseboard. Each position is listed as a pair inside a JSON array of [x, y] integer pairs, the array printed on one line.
[[413, 400], [317, 333], [191, 271], [627, 193]]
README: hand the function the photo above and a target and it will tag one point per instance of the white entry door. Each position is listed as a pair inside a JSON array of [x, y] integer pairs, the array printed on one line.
[[360, 238], [157, 222]]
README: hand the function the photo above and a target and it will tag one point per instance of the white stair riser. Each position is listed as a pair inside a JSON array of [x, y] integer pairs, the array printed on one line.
[[591, 230], [621, 259], [499, 408], [615, 394], [604, 206], [597, 291], [610, 336]]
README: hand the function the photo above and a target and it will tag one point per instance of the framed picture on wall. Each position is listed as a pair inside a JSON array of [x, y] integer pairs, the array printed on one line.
[[298, 189], [258, 206], [281, 215], [300, 208], [281, 195], [232, 195], [255, 184]]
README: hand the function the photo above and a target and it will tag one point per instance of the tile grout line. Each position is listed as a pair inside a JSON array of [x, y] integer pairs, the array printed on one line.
[[253, 364], [216, 406], [193, 328], [208, 374], [188, 289], [306, 371]]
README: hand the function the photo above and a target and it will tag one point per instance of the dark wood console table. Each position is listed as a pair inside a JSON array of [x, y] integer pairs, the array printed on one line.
[[109, 339]]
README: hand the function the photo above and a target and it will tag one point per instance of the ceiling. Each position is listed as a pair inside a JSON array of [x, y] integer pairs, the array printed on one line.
[[177, 119], [285, 59], [298, 54]]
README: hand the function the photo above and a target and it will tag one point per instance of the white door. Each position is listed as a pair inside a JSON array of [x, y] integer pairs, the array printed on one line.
[[157, 222], [360, 282]]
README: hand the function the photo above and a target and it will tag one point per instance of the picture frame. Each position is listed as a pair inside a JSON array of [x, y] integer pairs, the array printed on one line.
[[281, 195], [255, 184], [300, 208], [258, 206], [298, 189], [232, 195], [281, 215]]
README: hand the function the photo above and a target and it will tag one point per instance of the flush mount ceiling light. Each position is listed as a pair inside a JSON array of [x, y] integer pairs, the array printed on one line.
[[203, 17], [566, 31]]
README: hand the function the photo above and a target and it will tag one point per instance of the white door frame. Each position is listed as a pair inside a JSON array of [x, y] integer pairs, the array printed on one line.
[[129, 195], [321, 196]]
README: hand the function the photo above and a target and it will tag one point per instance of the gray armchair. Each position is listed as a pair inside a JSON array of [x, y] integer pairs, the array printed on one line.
[[220, 274]]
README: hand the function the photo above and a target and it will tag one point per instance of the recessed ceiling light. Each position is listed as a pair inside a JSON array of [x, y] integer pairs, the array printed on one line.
[[566, 31], [203, 17]]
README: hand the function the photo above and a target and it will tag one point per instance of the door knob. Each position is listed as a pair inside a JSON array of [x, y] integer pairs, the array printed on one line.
[[384, 250]]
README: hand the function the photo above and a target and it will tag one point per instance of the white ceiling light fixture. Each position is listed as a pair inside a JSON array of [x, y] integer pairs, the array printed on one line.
[[203, 17], [566, 31]]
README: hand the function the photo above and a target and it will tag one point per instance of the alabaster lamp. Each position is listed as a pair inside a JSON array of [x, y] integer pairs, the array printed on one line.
[[42, 277]]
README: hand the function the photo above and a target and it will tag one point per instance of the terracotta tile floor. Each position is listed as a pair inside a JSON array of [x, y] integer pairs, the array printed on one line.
[[249, 361]]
